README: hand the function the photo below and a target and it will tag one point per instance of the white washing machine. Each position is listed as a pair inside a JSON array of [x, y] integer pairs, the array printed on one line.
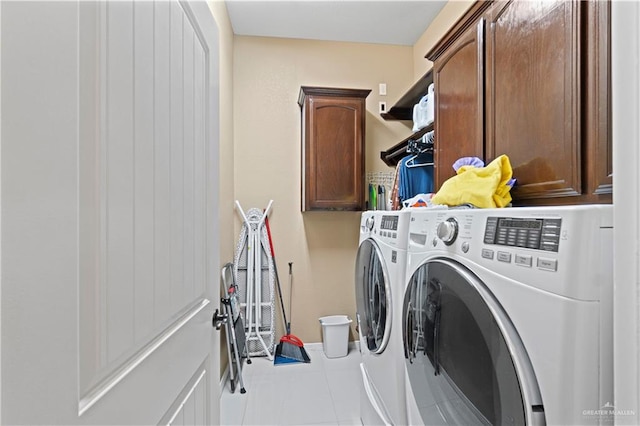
[[379, 282], [507, 316]]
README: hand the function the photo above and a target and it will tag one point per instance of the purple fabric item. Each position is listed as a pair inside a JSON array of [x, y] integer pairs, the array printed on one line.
[[467, 161]]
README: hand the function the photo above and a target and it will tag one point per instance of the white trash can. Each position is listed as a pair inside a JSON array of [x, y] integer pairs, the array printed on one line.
[[335, 335]]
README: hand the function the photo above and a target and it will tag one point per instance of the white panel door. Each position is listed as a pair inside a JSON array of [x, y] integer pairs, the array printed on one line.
[[109, 259]]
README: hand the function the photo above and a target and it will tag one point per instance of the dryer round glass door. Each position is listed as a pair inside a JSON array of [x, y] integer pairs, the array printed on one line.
[[373, 297], [466, 363]]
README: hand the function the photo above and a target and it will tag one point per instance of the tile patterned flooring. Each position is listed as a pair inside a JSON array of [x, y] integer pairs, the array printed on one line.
[[324, 392]]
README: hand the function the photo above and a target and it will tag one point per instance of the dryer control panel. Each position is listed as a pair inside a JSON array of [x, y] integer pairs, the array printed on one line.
[[560, 249], [538, 234]]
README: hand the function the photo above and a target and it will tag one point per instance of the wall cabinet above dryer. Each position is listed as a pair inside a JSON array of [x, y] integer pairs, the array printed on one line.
[[529, 79], [333, 148], [459, 108]]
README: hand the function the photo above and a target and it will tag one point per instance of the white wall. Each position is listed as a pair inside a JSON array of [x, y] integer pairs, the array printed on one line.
[[626, 158]]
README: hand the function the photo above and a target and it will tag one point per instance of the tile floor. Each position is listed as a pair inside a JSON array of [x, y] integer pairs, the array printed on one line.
[[324, 392]]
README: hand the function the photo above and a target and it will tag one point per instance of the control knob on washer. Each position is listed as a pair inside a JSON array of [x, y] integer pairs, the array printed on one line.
[[369, 223], [448, 231]]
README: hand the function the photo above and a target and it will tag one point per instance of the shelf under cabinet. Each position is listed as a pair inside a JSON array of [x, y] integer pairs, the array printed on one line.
[[393, 155], [403, 110]]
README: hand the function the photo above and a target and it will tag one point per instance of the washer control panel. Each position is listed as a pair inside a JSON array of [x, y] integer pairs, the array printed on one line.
[[537, 234], [389, 223], [389, 226], [392, 227]]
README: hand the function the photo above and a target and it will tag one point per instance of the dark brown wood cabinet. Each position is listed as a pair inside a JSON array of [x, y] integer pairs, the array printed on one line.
[[458, 76], [535, 74], [597, 163], [533, 95], [333, 147]]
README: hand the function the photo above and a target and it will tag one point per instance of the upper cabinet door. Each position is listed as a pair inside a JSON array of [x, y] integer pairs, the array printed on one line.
[[458, 75], [533, 95], [529, 79], [597, 112], [333, 135]]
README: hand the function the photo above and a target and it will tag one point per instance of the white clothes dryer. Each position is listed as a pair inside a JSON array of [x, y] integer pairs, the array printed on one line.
[[379, 282], [507, 316]]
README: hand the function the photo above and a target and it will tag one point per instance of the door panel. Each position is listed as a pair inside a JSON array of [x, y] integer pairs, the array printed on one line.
[[144, 168], [107, 293], [128, 178], [336, 121], [162, 154], [533, 84], [597, 95], [459, 119], [190, 407]]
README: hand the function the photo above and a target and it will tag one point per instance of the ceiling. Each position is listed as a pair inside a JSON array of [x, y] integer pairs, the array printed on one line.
[[399, 22]]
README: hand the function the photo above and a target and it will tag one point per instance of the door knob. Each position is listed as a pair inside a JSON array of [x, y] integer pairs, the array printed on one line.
[[218, 320]]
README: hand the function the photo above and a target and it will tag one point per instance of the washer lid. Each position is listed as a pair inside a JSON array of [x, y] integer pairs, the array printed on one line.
[[373, 297], [465, 361]]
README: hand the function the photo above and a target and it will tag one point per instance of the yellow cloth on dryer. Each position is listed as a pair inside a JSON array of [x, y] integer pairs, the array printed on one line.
[[484, 187]]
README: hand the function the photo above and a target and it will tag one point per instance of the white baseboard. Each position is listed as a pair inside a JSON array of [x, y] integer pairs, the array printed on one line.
[[317, 346]]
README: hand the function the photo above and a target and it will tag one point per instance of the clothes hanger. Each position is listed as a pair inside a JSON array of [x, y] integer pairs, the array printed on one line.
[[419, 147], [410, 163]]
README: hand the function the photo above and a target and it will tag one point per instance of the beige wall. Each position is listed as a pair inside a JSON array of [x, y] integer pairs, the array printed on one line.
[[226, 37], [225, 32], [260, 153], [268, 73], [448, 16]]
